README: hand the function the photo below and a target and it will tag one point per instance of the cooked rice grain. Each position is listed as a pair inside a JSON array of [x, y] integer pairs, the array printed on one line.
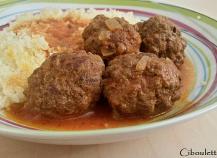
[[20, 54]]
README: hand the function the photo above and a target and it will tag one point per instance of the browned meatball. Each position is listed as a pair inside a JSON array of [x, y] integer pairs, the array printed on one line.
[[66, 84], [163, 38], [109, 37], [141, 84]]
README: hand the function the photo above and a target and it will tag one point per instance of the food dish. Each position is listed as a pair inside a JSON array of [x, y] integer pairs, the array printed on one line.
[[107, 66], [180, 107], [56, 88]]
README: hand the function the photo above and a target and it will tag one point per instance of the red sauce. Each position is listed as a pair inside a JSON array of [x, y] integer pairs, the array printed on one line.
[[62, 35], [99, 118]]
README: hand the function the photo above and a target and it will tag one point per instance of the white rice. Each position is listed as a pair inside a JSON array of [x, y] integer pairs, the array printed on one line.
[[76, 14], [19, 55]]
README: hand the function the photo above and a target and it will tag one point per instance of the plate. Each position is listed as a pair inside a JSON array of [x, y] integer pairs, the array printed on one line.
[[200, 32]]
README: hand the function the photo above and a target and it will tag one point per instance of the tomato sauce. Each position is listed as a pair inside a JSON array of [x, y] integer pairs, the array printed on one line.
[[62, 35]]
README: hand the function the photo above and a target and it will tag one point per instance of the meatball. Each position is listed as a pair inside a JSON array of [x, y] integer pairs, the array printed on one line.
[[66, 84], [141, 85], [163, 38], [109, 37]]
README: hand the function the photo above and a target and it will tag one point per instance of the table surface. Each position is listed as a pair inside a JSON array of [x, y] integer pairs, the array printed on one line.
[[197, 134]]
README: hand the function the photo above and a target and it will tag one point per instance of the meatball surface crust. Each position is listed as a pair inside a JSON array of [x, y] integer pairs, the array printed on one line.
[[163, 38], [141, 84], [109, 37], [66, 84]]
